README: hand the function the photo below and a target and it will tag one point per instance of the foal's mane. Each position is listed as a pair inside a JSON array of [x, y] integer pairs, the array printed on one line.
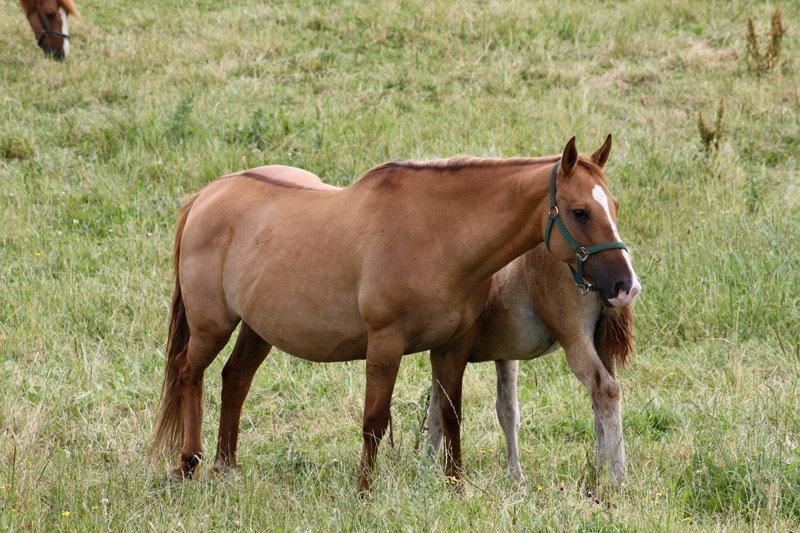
[[613, 336]]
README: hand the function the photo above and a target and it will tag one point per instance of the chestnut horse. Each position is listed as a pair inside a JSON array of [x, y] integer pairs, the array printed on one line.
[[533, 306], [50, 25], [397, 263]]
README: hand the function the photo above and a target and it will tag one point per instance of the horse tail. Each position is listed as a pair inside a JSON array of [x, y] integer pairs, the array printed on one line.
[[613, 336], [169, 428]]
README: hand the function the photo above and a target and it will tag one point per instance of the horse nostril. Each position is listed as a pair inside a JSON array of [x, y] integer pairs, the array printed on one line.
[[623, 286]]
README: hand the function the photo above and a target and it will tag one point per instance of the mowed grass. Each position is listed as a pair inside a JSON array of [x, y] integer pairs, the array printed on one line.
[[159, 97]]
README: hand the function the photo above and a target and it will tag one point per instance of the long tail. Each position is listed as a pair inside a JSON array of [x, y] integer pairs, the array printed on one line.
[[613, 336], [169, 428]]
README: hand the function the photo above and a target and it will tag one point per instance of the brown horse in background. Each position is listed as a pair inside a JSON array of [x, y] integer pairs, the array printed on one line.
[[50, 24], [533, 306], [397, 263]]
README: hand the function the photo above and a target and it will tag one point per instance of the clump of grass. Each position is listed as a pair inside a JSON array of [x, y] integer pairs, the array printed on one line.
[[179, 125], [710, 135], [16, 147], [255, 132], [764, 62], [708, 486]]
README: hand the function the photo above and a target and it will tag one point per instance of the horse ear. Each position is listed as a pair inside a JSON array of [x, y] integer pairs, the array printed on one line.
[[601, 155], [569, 158], [69, 7]]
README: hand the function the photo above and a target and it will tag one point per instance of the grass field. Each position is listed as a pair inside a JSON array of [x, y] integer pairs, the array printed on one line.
[[158, 98]]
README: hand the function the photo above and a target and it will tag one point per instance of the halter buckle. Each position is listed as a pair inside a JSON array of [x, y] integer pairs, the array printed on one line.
[[585, 288], [553, 211], [582, 254]]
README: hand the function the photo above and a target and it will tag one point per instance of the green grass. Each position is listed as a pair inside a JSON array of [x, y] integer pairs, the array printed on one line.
[[159, 98]]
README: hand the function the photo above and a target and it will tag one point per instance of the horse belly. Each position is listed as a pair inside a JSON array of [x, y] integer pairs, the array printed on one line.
[[305, 307], [510, 327]]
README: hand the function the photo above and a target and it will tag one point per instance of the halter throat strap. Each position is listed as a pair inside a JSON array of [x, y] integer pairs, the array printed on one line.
[[582, 253]]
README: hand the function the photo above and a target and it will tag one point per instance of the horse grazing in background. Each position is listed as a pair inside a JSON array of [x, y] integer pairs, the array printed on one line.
[[50, 25], [397, 263], [533, 306]]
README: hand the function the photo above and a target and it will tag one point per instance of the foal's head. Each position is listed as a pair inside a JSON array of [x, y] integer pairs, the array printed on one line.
[[48, 20], [589, 214]]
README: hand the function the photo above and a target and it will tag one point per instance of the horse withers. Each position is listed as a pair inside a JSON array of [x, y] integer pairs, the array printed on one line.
[[397, 263], [49, 20]]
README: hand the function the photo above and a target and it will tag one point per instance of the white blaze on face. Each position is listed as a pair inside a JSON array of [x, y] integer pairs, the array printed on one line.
[[622, 298], [64, 29]]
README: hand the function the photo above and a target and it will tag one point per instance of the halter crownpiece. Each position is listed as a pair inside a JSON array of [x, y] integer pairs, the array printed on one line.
[[582, 253]]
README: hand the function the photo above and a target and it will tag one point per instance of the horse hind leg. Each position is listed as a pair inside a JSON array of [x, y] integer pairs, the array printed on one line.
[[237, 375], [204, 345], [507, 408]]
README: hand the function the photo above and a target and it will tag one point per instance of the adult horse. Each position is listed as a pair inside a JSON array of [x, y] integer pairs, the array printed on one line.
[[532, 307], [397, 263], [50, 24]]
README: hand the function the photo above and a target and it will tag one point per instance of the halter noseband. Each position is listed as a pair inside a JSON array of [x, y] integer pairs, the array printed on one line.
[[582, 253], [46, 31]]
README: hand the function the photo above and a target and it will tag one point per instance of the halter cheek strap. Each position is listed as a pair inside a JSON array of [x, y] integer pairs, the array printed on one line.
[[582, 253], [46, 31]]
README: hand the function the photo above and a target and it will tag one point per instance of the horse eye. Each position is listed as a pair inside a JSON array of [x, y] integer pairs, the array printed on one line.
[[51, 16], [580, 214]]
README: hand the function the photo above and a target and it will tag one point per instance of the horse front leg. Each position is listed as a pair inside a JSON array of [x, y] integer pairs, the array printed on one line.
[[384, 352], [507, 408], [606, 403], [448, 364]]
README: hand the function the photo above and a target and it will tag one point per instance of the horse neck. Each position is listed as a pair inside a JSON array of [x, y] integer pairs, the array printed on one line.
[[496, 213]]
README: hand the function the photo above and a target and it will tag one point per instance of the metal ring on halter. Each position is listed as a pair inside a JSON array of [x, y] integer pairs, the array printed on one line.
[[582, 254], [553, 211]]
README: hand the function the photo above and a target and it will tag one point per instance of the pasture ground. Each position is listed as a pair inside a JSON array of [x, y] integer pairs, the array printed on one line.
[[159, 97]]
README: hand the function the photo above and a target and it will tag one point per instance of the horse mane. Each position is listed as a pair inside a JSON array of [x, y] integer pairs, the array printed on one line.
[[461, 162], [613, 336]]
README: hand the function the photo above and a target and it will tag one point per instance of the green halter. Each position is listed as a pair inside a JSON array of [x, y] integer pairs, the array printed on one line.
[[582, 253]]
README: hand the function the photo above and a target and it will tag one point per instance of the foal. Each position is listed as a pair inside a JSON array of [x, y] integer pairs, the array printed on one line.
[[49, 21], [397, 263], [533, 306]]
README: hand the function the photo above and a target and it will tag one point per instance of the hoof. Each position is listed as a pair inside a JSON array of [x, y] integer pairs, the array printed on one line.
[[187, 467], [516, 475], [224, 469]]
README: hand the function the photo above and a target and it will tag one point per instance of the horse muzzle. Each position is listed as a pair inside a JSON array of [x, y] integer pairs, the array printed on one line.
[[623, 292]]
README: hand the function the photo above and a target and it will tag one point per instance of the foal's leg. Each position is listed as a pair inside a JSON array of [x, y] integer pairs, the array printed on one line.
[[606, 403], [202, 349], [434, 420], [507, 408], [237, 375], [384, 351]]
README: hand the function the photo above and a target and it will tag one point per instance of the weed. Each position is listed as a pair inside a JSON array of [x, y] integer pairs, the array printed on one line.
[[711, 135], [763, 62]]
